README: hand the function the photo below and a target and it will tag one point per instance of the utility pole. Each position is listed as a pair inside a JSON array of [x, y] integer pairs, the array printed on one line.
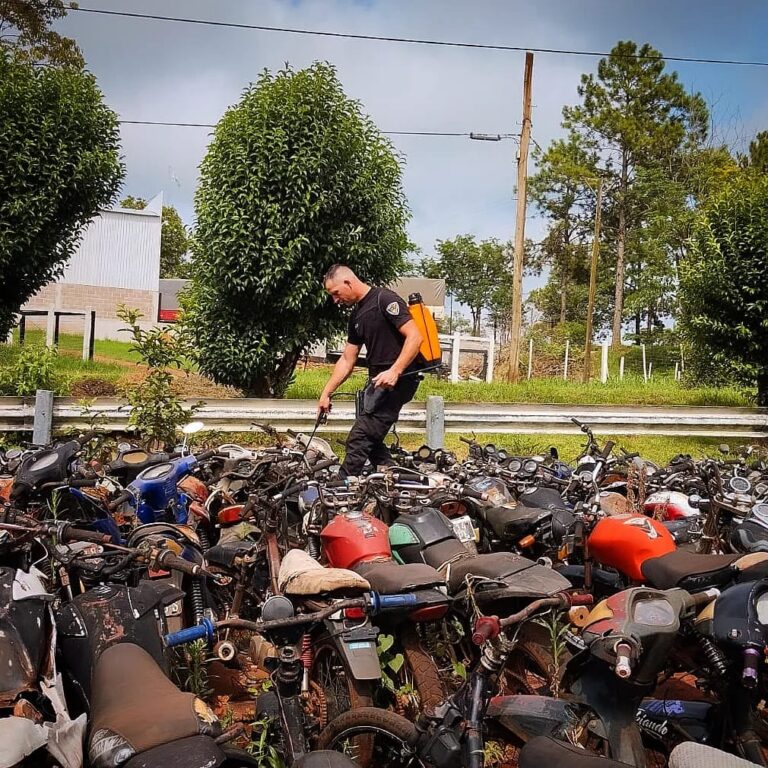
[[513, 373], [592, 286]]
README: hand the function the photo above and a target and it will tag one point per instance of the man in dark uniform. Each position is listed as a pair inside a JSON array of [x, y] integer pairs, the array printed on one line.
[[381, 321]]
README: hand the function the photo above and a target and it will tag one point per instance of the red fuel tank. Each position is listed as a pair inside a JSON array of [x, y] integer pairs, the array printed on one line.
[[625, 542], [355, 537]]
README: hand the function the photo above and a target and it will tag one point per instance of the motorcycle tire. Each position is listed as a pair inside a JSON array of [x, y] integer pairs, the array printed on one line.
[[426, 676], [391, 735]]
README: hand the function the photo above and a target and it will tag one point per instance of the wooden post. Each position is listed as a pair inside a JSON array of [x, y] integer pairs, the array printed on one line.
[[604, 363], [530, 358], [513, 374], [587, 372], [645, 368], [435, 421], [682, 361], [89, 320], [565, 365], [621, 368], [455, 352], [491, 359], [43, 421]]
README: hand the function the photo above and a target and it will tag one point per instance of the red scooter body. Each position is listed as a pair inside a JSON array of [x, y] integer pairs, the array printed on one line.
[[353, 538]]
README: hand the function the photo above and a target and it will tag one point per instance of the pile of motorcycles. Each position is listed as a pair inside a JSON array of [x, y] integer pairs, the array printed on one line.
[[248, 606]]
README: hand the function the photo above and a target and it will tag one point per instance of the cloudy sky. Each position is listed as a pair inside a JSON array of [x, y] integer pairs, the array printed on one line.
[[163, 71]]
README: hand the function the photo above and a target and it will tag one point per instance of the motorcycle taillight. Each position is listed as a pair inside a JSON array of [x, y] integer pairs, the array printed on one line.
[[431, 613], [354, 614]]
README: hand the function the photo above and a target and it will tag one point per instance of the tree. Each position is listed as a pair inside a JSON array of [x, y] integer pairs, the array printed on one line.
[[634, 115], [296, 178], [472, 272], [25, 33], [174, 239], [723, 283], [59, 164], [757, 159]]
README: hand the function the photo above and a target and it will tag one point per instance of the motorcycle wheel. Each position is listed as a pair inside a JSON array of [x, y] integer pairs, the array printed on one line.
[[389, 735], [531, 668], [422, 669]]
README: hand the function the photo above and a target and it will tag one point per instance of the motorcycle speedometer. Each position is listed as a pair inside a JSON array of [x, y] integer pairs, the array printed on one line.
[[515, 465], [762, 609], [530, 466], [654, 613], [739, 484], [760, 513], [156, 473], [45, 462]]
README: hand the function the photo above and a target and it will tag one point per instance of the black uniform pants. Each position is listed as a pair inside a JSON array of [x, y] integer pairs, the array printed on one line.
[[366, 438]]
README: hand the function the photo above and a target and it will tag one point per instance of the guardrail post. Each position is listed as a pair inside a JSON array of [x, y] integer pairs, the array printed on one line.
[[604, 363], [43, 423], [435, 422], [455, 352]]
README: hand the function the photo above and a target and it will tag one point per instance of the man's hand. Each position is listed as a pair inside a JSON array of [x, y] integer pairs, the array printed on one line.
[[386, 379], [324, 404]]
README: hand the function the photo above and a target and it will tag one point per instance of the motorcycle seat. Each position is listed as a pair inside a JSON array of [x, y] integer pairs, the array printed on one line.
[[135, 708], [389, 578], [194, 752], [689, 754], [301, 574], [544, 751], [324, 759], [224, 554], [689, 570]]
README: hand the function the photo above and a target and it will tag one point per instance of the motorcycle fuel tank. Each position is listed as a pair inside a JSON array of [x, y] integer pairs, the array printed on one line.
[[669, 505], [625, 542], [355, 537]]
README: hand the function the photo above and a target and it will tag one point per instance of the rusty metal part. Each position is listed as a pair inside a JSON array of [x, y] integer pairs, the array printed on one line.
[[273, 561]]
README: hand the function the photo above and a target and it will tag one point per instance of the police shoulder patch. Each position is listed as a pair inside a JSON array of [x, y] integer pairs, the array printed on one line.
[[393, 308]]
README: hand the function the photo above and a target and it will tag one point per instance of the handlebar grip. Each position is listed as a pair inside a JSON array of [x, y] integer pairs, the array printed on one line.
[[325, 464], [119, 499], [205, 455], [83, 482], [382, 603], [749, 673], [576, 421], [486, 628], [583, 599], [607, 448], [81, 534], [288, 491], [466, 440], [623, 667], [204, 630], [473, 494], [167, 559], [700, 599], [87, 437]]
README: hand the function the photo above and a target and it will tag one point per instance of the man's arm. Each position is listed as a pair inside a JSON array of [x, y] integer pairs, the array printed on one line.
[[407, 355], [341, 372]]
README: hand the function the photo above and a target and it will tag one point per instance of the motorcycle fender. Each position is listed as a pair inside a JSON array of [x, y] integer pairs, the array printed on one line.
[[530, 716], [357, 649]]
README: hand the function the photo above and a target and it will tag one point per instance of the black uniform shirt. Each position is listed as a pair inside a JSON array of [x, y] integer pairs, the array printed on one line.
[[375, 322]]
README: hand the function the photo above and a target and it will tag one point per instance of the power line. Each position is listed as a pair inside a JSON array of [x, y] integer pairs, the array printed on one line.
[[481, 136], [412, 40]]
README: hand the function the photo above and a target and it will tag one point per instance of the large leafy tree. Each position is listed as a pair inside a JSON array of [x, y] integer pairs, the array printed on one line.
[[174, 240], [724, 282], [473, 272], [59, 163], [25, 32], [296, 178], [757, 158], [634, 115]]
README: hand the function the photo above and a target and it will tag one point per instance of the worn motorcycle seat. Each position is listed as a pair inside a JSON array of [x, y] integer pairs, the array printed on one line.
[[224, 554], [324, 759], [389, 578], [194, 752], [301, 574], [501, 566], [689, 754], [689, 570], [543, 751], [135, 708]]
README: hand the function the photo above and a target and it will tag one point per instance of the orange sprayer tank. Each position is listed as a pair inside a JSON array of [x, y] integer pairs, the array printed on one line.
[[430, 344], [625, 542]]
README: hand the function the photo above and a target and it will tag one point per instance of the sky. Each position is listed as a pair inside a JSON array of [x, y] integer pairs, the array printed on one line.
[[163, 71]]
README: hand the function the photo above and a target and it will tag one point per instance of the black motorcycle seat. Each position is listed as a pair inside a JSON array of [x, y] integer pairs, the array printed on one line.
[[493, 565], [388, 577], [689, 570], [498, 517], [542, 751], [194, 752], [224, 554], [324, 759], [135, 708]]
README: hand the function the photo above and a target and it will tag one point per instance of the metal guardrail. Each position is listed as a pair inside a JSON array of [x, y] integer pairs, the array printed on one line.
[[236, 415]]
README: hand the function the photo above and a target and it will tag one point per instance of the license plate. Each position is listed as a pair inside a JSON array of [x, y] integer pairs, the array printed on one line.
[[463, 528]]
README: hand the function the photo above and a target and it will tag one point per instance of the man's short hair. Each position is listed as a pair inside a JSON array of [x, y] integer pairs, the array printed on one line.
[[334, 270]]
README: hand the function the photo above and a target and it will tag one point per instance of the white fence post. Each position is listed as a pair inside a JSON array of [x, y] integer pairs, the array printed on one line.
[[50, 329], [650, 370], [645, 367], [621, 368], [565, 365], [435, 422], [491, 361], [530, 357], [604, 363], [677, 371], [455, 352]]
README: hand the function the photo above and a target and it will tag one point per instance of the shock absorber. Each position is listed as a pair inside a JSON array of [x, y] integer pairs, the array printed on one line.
[[714, 656], [196, 596], [202, 535], [313, 547], [307, 657]]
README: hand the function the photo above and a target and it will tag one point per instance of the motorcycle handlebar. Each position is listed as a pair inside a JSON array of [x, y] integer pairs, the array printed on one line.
[[473, 494], [167, 560], [87, 437], [561, 600], [205, 455], [700, 599], [125, 495], [321, 465], [623, 668], [81, 534], [607, 448], [83, 482]]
